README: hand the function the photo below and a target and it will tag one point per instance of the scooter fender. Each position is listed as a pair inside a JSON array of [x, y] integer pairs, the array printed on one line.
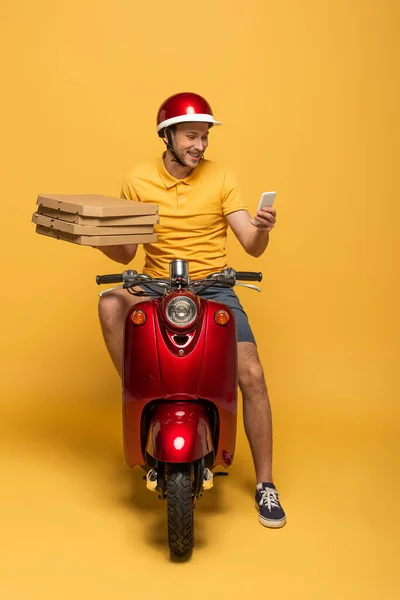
[[179, 432]]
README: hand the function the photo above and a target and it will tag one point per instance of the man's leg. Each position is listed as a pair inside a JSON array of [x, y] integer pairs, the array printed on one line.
[[113, 308], [258, 425], [256, 410]]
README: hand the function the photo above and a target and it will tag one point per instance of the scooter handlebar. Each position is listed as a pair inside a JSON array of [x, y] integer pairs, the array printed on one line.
[[248, 276], [117, 278]]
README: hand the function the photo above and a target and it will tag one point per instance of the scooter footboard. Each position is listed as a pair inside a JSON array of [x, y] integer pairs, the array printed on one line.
[[179, 432]]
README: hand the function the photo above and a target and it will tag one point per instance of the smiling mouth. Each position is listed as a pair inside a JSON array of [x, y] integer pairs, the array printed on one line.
[[194, 155]]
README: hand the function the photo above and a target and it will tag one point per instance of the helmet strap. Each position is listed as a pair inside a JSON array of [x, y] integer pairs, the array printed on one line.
[[170, 147]]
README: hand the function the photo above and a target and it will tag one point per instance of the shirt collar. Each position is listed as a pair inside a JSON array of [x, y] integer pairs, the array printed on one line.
[[169, 180]]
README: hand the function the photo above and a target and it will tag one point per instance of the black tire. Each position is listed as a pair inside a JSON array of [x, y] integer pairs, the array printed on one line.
[[180, 512]]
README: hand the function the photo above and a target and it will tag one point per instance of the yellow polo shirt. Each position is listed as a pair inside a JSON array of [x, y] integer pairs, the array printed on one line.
[[192, 215]]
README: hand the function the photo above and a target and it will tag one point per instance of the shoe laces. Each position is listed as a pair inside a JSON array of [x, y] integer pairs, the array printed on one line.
[[269, 498]]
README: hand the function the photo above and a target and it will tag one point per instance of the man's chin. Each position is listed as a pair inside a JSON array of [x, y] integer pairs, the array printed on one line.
[[190, 164]]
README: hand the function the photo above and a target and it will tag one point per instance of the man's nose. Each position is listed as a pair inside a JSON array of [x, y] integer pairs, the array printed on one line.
[[200, 145]]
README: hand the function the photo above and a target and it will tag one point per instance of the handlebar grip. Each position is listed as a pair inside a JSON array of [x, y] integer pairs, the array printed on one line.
[[117, 278], [248, 276]]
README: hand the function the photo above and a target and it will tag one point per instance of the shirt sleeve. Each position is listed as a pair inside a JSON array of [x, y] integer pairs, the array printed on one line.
[[128, 189], [232, 197]]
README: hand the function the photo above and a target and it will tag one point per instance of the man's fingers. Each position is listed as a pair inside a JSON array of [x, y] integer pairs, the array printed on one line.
[[270, 210], [263, 216]]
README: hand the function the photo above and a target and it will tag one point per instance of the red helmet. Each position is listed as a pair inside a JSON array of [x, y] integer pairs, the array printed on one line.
[[184, 108]]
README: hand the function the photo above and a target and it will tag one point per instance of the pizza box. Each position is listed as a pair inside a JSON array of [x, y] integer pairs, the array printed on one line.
[[56, 213], [60, 225], [95, 205], [97, 240]]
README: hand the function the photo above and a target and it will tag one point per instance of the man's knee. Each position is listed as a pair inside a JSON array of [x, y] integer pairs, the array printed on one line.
[[251, 373], [112, 309]]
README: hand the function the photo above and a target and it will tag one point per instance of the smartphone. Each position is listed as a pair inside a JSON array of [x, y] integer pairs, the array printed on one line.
[[267, 199]]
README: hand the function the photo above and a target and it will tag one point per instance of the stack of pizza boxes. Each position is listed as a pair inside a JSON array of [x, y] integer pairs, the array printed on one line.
[[95, 220]]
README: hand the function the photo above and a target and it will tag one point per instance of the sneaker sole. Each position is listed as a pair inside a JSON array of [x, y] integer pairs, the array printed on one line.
[[271, 523]]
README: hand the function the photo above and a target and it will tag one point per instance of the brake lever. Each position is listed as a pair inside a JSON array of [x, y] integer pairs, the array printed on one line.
[[104, 292], [248, 285]]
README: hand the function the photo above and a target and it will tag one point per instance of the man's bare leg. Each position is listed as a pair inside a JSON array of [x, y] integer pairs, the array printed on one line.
[[256, 410], [113, 308]]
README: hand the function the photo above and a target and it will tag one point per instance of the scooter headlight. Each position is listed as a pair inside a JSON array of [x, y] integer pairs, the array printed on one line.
[[181, 311]]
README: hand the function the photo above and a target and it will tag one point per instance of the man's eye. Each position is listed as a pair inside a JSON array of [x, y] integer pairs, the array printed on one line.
[[191, 137]]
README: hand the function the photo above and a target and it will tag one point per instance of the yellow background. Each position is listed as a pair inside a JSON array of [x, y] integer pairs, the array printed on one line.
[[308, 94]]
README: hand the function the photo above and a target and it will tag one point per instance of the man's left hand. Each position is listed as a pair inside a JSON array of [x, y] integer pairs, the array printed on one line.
[[267, 218]]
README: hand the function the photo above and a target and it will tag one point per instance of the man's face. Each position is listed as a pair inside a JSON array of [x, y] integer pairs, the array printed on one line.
[[190, 142]]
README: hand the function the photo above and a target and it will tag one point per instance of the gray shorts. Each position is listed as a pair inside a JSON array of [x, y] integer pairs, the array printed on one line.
[[228, 297]]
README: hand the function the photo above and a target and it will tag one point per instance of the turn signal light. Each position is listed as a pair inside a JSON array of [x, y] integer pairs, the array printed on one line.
[[139, 317], [221, 317]]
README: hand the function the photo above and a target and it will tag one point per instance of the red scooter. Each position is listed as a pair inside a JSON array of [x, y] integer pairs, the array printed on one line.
[[179, 388]]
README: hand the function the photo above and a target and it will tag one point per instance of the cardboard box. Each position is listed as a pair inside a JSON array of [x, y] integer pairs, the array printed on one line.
[[54, 213], [60, 225], [94, 205], [97, 240]]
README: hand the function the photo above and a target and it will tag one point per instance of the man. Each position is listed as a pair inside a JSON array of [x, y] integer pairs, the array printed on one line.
[[197, 201]]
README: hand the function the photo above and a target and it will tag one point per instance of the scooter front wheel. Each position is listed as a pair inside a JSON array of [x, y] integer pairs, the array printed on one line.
[[180, 511]]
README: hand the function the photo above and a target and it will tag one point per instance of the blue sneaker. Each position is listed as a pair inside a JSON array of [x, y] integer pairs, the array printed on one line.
[[270, 512]]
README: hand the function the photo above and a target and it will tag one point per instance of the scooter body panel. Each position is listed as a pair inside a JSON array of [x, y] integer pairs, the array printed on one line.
[[156, 370]]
